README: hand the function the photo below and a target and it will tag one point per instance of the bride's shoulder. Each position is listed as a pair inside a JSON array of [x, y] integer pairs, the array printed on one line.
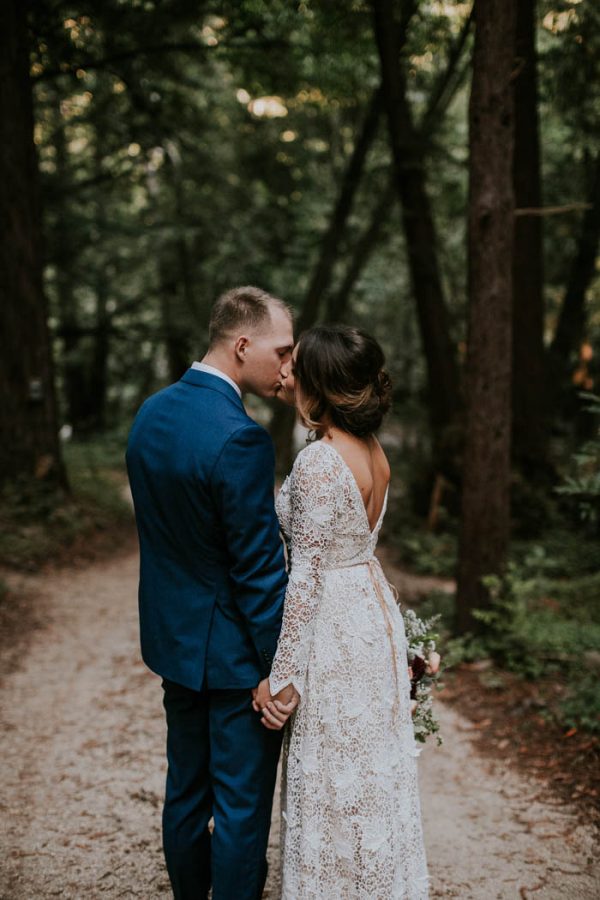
[[317, 458]]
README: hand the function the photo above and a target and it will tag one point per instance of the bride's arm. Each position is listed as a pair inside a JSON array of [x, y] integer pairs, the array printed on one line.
[[314, 485]]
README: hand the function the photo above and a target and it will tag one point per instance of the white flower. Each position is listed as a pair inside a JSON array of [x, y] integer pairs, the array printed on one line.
[[320, 514], [307, 754], [373, 832], [341, 841]]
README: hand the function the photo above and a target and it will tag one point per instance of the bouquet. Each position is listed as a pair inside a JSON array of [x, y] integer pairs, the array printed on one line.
[[423, 667]]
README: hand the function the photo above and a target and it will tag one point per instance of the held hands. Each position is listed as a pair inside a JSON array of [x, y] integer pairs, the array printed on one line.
[[275, 710]]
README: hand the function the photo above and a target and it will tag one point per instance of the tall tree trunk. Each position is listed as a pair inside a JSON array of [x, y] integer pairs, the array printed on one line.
[[337, 305], [173, 267], [442, 93], [447, 83], [29, 446], [85, 349], [419, 228], [485, 524], [97, 365], [73, 370], [329, 246], [529, 387], [571, 322], [175, 340]]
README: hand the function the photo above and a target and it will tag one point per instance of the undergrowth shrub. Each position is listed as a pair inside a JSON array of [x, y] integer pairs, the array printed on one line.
[[539, 628], [39, 523]]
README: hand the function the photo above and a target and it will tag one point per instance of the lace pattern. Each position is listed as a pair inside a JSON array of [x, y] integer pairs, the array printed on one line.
[[350, 807]]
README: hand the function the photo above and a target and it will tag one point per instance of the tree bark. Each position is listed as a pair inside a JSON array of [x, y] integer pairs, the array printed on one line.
[[29, 448], [485, 520], [529, 387], [419, 228]]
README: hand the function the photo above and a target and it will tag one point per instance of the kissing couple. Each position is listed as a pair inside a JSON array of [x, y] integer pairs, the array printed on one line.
[[245, 644]]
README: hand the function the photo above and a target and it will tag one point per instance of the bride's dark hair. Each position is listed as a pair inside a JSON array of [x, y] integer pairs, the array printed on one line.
[[339, 372]]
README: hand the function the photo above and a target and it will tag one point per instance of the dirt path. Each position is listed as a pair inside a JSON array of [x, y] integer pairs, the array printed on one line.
[[83, 769]]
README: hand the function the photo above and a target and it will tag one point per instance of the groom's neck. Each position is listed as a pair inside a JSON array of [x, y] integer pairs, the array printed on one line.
[[220, 360]]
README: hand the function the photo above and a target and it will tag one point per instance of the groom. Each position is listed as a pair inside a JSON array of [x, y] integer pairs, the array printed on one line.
[[212, 583]]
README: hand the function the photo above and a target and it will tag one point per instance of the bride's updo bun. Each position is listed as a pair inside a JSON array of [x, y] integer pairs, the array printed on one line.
[[339, 373]]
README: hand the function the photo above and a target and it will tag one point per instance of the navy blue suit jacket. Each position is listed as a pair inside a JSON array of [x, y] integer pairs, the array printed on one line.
[[212, 572]]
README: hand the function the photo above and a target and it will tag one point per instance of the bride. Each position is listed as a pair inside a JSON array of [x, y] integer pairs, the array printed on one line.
[[350, 804]]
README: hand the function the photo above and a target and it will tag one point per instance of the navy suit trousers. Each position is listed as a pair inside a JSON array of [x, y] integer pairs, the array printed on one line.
[[222, 763]]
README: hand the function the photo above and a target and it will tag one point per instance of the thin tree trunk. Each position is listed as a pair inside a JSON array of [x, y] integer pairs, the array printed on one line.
[[97, 380], [186, 282], [419, 228], [282, 422], [98, 372], [338, 303], [441, 96], [281, 429], [283, 418], [351, 180], [175, 341], [570, 328], [173, 271], [529, 387], [73, 364], [485, 521], [331, 240], [447, 84], [29, 446]]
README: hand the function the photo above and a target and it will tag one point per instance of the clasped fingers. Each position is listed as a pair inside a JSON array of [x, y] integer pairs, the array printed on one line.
[[275, 714]]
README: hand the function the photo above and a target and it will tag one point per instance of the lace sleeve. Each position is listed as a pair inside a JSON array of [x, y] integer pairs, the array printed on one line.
[[314, 485]]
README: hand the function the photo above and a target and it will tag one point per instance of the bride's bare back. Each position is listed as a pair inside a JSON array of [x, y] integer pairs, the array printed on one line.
[[368, 463]]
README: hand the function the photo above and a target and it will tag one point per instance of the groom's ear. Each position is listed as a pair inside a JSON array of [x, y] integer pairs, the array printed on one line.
[[241, 346]]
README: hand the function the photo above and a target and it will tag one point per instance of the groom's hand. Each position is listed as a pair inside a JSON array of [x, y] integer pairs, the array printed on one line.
[[261, 695], [275, 710]]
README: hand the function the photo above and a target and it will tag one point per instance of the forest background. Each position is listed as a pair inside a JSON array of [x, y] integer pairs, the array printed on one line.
[[421, 169]]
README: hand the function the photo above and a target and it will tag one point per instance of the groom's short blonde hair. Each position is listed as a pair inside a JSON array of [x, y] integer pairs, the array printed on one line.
[[242, 309]]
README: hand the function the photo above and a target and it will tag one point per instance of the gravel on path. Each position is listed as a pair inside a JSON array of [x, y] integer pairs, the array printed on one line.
[[83, 772]]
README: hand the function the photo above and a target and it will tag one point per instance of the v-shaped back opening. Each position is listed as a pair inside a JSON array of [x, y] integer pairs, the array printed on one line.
[[372, 530]]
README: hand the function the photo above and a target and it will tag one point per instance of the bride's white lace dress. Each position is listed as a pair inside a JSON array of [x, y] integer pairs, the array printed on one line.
[[351, 812]]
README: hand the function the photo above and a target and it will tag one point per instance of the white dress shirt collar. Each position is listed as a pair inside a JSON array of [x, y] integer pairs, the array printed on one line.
[[203, 367]]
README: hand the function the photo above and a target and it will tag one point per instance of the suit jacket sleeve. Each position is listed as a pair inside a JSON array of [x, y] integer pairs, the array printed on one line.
[[243, 482]]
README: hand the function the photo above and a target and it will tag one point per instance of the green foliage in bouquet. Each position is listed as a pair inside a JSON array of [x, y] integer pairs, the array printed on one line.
[[422, 638]]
